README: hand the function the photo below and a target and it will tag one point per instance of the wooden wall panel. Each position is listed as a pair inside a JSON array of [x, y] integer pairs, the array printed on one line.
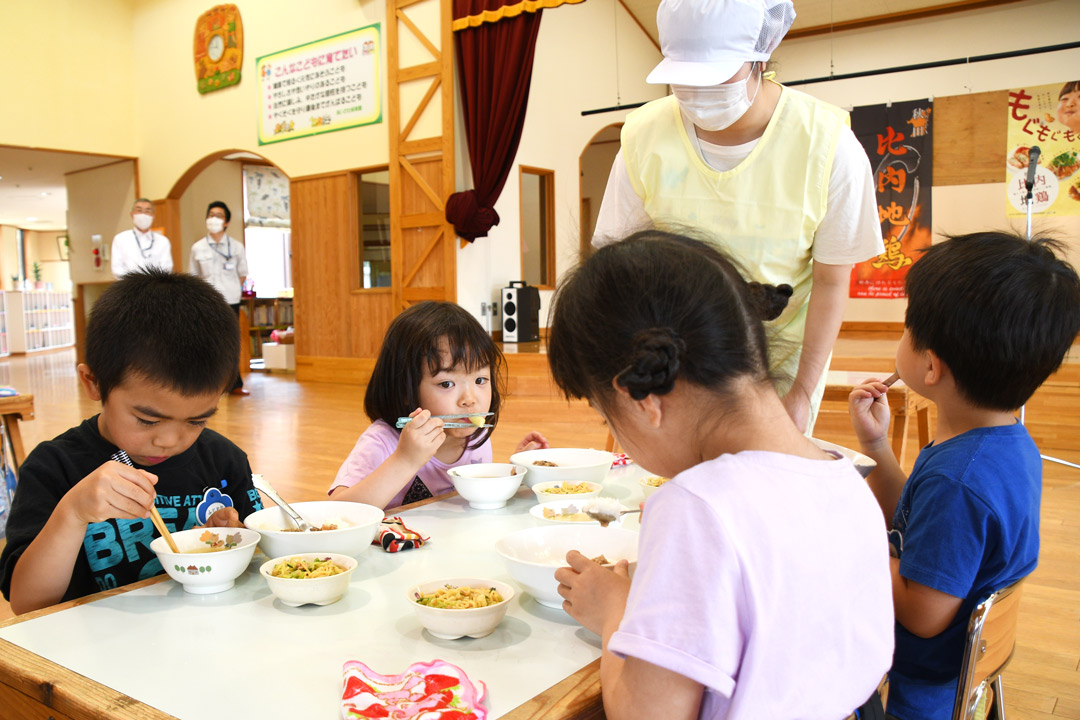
[[969, 138], [334, 320]]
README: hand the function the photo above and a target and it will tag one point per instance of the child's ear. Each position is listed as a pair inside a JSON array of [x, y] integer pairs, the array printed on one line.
[[651, 407], [89, 382], [936, 369]]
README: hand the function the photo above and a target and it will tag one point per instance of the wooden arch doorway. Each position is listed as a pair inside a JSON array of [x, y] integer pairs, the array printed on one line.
[[594, 164]]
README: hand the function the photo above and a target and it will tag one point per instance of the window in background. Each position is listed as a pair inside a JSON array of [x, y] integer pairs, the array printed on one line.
[[538, 226], [373, 210], [267, 232]]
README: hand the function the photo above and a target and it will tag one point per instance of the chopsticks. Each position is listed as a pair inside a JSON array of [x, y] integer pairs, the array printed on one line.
[[155, 517], [403, 421]]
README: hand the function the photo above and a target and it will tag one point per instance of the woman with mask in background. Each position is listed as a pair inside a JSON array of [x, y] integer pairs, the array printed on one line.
[[775, 173], [220, 260]]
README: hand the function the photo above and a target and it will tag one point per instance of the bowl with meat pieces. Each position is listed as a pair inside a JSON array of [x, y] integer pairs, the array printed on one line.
[[309, 578], [487, 486], [460, 607], [534, 554], [337, 527], [567, 464]]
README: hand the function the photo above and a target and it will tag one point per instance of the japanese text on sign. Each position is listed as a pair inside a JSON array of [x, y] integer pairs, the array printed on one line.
[[327, 85]]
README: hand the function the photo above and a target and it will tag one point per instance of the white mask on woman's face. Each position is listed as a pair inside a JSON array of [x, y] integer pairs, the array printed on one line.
[[215, 224], [718, 106], [142, 221]]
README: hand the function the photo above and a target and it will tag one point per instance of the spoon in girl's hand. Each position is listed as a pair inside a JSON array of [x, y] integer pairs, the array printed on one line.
[[888, 382], [606, 511]]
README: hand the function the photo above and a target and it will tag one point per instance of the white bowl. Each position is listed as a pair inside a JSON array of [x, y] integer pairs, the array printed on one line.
[[357, 524], [572, 464], [646, 488], [487, 486], [560, 507], [202, 572], [451, 624], [863, 463], [533, 554], [310, 591], [542, 494]]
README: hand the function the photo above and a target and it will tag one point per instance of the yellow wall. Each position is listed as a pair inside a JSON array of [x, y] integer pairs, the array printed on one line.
[[220, 181], [68, 75], [41, 247], [99, 203], [181, 126], [9, 256]]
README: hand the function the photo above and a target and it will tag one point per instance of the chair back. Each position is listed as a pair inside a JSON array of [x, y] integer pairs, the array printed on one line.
[[991, 636]]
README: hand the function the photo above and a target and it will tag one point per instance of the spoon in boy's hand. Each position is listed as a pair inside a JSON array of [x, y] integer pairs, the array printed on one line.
[[888, 382], [606, 511]]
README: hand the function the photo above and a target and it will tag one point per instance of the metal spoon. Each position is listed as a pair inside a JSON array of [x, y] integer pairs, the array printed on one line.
[[606, 511], [266, 488]]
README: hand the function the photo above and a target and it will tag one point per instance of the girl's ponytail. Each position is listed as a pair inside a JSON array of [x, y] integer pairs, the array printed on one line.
[[769, 300], [654, 363]]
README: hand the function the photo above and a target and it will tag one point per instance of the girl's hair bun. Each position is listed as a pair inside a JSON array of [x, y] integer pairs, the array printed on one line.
[[654, 363], [769, 300]]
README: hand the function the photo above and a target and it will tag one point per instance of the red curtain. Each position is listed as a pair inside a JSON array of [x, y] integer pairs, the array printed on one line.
[[495, 62]]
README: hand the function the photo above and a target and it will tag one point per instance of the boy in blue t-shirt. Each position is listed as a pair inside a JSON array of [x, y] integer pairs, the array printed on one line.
[[160, 350], [990, 316]]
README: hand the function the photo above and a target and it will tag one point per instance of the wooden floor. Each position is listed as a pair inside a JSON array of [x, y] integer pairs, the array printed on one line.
[[297, 434]]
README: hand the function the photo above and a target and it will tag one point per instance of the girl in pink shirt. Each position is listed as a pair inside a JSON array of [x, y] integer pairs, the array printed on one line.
[[762, 587], [435, 360]]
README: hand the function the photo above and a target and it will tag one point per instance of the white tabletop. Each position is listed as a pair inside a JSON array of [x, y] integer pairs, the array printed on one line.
[[242, 653]]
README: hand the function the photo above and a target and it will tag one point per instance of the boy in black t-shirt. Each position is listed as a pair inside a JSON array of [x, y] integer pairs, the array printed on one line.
[[160, 350]]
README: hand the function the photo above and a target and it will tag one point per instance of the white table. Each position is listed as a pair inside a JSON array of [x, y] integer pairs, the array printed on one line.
[[242, 653]]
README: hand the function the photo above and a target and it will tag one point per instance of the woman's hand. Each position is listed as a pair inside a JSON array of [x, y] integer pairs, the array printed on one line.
[[869, 410], [532, 441], [797, 404], [421, 438], [593, 595]]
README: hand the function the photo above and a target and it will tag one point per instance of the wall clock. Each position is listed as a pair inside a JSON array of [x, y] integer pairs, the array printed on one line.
[[219, 48]]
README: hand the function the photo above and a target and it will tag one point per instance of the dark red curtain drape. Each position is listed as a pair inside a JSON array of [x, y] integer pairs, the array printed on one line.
[[495, 62]]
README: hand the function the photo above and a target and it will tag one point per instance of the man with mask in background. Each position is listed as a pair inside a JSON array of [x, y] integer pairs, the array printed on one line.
[[220, 260], [773, 176], [140, 247]]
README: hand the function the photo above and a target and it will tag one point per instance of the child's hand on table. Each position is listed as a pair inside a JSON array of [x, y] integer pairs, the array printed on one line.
[[533, 441], [594, 595], [869, 410], [114, 490], [421, 438]]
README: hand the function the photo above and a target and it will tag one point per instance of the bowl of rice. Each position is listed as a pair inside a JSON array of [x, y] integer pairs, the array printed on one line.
[[309, 578], [559, 490], [460, 607]]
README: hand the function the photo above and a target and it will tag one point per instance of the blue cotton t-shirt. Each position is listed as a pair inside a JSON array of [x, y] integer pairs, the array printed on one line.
[[967, 524]]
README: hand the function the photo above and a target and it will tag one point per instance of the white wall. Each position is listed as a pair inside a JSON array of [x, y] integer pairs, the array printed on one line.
[[574, 70]]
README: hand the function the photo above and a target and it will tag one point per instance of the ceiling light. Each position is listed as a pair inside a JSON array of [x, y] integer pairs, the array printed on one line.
[[31, 219]]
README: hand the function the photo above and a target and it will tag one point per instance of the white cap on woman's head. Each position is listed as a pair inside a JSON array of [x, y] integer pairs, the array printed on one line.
[[705, 42]]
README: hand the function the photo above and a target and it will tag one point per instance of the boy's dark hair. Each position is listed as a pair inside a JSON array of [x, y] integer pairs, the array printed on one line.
[[171, 329], [656, 307], [1069, 87], [1000, 311], [223, 206], [412, 344]]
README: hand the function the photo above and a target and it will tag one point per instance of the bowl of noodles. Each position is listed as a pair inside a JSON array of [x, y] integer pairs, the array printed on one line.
[[556, 490], [564, 512], [534, 554], [651, 484], [210, 559], [309, 578], [564, 464], [340, 527], [460, 607]]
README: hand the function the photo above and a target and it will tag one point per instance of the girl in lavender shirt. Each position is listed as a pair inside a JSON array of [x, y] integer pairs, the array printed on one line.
[[435, 360], [762, 587]]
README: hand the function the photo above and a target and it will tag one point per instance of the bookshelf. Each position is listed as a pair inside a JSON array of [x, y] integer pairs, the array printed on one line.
[[265, 316], [37, 320]]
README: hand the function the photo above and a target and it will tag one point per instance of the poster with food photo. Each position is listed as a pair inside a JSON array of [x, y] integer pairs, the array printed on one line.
[[1046, 117], [898, 139]]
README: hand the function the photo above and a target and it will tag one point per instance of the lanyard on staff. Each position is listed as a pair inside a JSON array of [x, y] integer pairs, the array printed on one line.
[[228, 247], [145, 253]]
